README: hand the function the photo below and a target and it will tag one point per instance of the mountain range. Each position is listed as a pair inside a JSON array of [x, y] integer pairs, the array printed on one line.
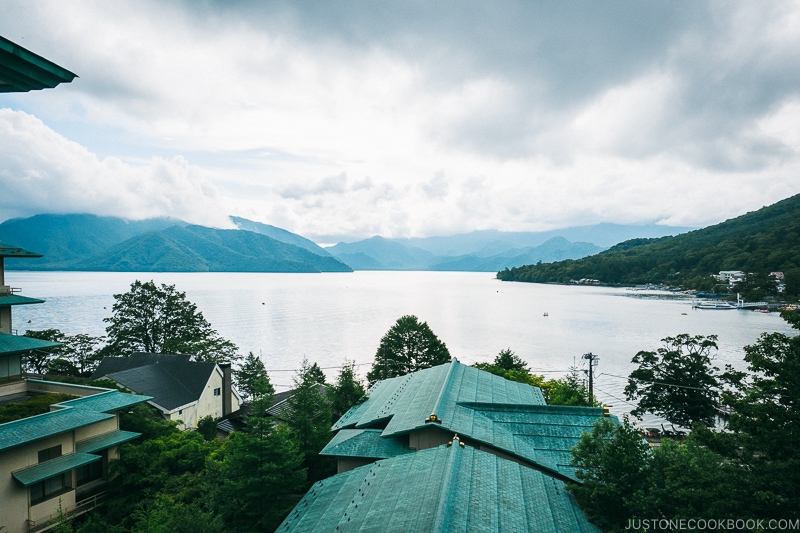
[[490, 250], [89, 242], [92, 243]]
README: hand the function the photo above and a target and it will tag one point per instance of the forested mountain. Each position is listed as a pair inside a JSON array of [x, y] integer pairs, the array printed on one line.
[[88, 242], [201, 249], [64, 239], [761, 241], [279, 234]]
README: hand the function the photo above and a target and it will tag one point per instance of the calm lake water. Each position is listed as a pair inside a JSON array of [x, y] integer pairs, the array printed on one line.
[[332, 317]]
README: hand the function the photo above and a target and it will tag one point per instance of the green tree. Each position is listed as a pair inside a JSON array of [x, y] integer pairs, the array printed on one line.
[[316, 374], [766, 400], [569, 390], [256, 480], [611, 463], [81, 351], [408, 346], [677, 381], [154, 319], [623, 478], [37, 361], [252, 378], [347, 391], [508, 360], [207, 427], [310, 418]]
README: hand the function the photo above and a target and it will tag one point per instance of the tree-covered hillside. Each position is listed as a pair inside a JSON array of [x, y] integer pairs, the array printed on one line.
[[762, 241]]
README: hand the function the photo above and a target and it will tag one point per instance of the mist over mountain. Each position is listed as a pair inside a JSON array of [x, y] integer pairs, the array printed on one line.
[[89, 242], [490, 250]]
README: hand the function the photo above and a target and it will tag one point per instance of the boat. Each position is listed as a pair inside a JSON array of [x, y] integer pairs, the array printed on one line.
[[713, 305]]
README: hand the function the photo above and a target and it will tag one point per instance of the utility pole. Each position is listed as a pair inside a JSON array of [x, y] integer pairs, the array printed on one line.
[[592, 358]]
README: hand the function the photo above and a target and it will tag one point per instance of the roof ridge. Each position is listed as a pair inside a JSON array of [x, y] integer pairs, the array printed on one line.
[[443, 391], [443, 514]]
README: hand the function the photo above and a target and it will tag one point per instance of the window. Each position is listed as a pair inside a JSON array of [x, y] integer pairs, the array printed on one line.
[[217, 392], [49, 488], [180, 412], [50, 453], [90, 472]]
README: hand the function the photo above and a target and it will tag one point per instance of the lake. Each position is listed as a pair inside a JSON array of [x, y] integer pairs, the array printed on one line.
[[332, 317]]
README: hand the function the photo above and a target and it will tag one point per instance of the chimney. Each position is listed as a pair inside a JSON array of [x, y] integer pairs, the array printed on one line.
[[226, 388]]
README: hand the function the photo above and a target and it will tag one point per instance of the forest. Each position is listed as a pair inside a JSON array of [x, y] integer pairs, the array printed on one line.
[[759, 242]]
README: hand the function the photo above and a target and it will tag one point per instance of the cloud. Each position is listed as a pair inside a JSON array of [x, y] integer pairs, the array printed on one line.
[[414, 118], [42, 172]]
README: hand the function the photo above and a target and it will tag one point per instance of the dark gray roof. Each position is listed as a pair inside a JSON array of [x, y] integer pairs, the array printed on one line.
[[280, 407], [172, 380]]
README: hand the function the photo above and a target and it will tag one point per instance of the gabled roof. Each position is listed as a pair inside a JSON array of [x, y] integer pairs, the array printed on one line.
[[444, 489], [21, 70], [408, 401], [13, 344], [172, 380], [505, 415], [281, 408]]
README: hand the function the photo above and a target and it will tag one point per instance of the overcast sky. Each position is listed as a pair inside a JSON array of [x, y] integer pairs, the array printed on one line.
[[343, 120]]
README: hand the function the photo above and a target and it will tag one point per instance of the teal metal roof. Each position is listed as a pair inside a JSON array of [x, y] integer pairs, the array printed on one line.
[[21, 70], [444, 489], [12, 344], [14, 299], [6, 250], [53, 467], [409, 400], [106, 402], [101, 442], [364, 443], [38, 427], [509, 416]]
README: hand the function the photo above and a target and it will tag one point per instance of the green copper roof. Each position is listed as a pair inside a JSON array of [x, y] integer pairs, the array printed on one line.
[[14, 299], [508, 416], [106, 402], [21, 70], [364, 443], [101, 442], [53, 467], [38, 427], [408, 401], [8, 250], [12, 344], [444, 489]]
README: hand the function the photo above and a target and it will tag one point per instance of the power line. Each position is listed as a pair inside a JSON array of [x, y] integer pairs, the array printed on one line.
[[616, 398], [656, 382]]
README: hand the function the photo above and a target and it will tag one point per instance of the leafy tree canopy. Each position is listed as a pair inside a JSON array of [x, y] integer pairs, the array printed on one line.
[[159, 319], [677, 381], [76, 356], [408, 346], [765, 401]]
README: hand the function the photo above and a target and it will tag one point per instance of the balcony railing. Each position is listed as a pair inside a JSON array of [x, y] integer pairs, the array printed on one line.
[[83, 506]]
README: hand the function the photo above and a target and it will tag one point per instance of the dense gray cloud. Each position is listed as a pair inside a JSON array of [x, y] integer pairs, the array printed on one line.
[[345, 119]]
